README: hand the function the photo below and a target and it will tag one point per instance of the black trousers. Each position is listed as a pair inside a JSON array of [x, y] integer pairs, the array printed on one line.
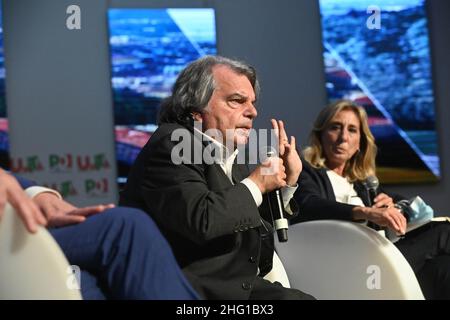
[[427, 249], [265, 290]]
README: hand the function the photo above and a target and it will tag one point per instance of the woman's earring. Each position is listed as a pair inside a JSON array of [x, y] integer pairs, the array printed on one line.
[[197, 116]]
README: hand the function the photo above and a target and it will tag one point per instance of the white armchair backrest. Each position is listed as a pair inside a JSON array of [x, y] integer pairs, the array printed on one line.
[[278, 273], [341, 260], [32, 266]]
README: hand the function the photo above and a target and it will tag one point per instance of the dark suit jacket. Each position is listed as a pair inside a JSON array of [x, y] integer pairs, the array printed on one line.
[[317, 201], [214, 227]]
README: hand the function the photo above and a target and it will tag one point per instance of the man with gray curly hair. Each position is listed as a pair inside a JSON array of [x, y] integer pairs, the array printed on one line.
[[215, 213]]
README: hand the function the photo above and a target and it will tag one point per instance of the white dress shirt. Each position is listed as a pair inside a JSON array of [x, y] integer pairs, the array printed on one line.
[[36, 190], [226, 163], [344, 190]]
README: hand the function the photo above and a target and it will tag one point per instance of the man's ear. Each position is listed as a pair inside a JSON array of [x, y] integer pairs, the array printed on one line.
[[197, 116]]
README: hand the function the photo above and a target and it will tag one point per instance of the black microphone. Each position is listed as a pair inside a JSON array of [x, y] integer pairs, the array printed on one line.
[[276, 210], [372, 184]]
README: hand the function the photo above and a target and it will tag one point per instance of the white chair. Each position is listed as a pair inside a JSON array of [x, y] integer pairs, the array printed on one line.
[[341, 260], [32, 266], [278, 273]]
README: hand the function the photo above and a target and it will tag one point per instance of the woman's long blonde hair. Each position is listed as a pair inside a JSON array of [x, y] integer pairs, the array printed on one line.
[[362, 164]]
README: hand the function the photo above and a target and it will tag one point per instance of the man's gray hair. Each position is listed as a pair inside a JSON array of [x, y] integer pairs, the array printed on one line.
[[195, 86]]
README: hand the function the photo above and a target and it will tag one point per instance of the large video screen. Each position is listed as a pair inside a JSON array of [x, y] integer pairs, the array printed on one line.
[[377, 54], [149, 47], [4, 141]]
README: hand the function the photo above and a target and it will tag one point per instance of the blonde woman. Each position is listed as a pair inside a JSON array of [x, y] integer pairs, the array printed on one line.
[[341, 156]]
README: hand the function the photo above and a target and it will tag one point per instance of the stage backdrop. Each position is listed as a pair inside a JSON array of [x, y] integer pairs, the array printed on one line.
[[61, 125], [149, 48], [4, 142], [376, 53]]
